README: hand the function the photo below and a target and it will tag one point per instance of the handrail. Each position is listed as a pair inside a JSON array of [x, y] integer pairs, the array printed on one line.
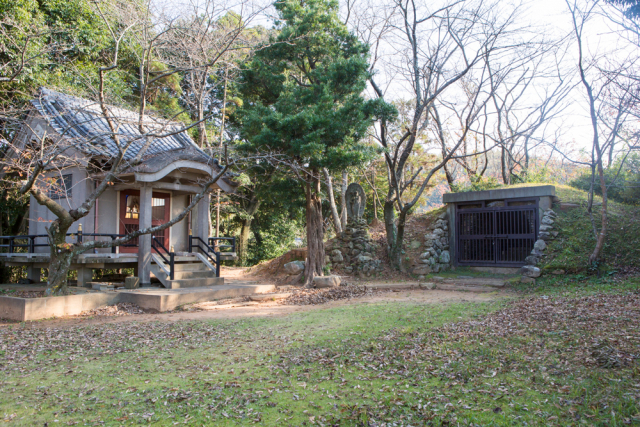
[[213, 240], [155, 245], [207, 250], [31, 245]]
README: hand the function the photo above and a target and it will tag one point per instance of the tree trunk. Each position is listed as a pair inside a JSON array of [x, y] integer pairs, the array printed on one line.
[[595, 255], [391, 230], [337, 223], [61, 255], [315, 234], [397, 252], [505, 169], [245, 231], [449, 176], [343, 198]]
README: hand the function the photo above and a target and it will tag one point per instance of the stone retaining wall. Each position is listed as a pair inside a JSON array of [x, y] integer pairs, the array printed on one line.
[[353, 251], [436, 256]]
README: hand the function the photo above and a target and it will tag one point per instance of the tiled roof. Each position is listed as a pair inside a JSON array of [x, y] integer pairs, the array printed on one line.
[[82, 122]]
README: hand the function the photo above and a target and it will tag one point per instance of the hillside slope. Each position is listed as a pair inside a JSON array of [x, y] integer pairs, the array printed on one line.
[[571, 250]]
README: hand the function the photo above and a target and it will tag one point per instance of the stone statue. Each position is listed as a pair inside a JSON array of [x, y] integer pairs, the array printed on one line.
[[356, 201]]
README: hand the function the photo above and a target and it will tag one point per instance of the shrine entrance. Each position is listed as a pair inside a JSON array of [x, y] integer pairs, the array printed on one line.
[[129, 216]]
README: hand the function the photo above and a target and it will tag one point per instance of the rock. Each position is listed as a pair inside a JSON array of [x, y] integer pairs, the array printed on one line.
[[427, 285], [363, 258], [540, 245], [337, 257], [544, 227], [425, 255], [421, 277], [326, 281], [336, 252], [547, 221], [443, 215], [550, 212], [530, 271], [524, 279], [531, 260], [436, 268], [438, 232], [415, 244], [445, 258], [558, 272], [421, 270], [131, 282], [544, 236], [554, 233], [294, 267]]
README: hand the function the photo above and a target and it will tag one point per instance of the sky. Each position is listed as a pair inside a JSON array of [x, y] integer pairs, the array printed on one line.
[[545, 16]]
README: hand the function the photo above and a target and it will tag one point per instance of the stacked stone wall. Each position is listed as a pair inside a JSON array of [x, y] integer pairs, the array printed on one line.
[[436, 256], [354, 251]]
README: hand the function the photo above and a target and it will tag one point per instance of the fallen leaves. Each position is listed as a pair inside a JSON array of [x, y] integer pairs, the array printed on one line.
[[323, 296]]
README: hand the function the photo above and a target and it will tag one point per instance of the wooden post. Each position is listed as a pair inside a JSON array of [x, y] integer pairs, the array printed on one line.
[[144, 241]]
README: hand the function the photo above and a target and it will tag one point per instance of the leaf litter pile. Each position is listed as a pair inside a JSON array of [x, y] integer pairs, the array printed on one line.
[[120, 309], [323, 296], [535, 361]]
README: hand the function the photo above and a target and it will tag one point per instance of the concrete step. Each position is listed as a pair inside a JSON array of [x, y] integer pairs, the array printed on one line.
[[191, 266], [193, 283], [194, 274]]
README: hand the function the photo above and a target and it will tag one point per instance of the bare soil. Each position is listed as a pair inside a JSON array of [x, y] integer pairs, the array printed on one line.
[[274, 308]]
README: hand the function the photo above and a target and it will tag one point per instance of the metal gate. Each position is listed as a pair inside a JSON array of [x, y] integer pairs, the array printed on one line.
[[496, 235]]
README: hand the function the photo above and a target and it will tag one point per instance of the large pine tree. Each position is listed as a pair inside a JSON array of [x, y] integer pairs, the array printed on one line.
[[303, 100]]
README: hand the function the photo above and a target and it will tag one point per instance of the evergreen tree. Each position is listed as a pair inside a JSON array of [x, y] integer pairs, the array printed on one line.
[[303, 100]]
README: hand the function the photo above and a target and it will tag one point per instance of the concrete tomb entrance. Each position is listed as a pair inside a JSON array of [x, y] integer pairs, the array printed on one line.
[[496, 227]]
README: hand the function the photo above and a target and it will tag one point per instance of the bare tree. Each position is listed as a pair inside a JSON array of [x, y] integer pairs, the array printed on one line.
[[610, 100], [434, 49]]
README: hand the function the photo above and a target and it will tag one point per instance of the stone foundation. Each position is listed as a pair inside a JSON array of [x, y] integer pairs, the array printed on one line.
[[436, 256], [354, 251]]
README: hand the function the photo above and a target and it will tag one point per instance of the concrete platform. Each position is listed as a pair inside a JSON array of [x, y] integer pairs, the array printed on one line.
[[155, 299], [168, 299]]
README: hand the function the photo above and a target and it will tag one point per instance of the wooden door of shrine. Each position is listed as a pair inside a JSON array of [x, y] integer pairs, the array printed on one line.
[[130, 216]]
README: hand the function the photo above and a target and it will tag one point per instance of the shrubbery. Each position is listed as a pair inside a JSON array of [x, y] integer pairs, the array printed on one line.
[[623, 181]]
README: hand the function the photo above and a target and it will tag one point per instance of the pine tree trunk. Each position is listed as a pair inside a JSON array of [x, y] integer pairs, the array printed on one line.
[[315, 232]]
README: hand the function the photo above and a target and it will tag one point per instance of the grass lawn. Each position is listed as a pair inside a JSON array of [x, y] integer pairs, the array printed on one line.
[[533, 360]]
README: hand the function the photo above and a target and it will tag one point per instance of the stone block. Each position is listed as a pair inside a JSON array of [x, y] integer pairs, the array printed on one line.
[[547, 221], [530, 271], [132, 282], [525, 279], [326, 281], [294, 267], [421, 270], [445, 258], [540, 245], [415, 244], [531, 260]]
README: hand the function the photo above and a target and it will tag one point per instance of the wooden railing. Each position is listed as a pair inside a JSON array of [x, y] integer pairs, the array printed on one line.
[[157, 246], [196, 242]]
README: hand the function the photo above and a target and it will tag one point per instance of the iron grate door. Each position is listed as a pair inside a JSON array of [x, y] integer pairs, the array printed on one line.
[[496, 236]]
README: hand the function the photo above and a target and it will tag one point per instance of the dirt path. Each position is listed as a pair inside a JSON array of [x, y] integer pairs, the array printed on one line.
[[273, 309]]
